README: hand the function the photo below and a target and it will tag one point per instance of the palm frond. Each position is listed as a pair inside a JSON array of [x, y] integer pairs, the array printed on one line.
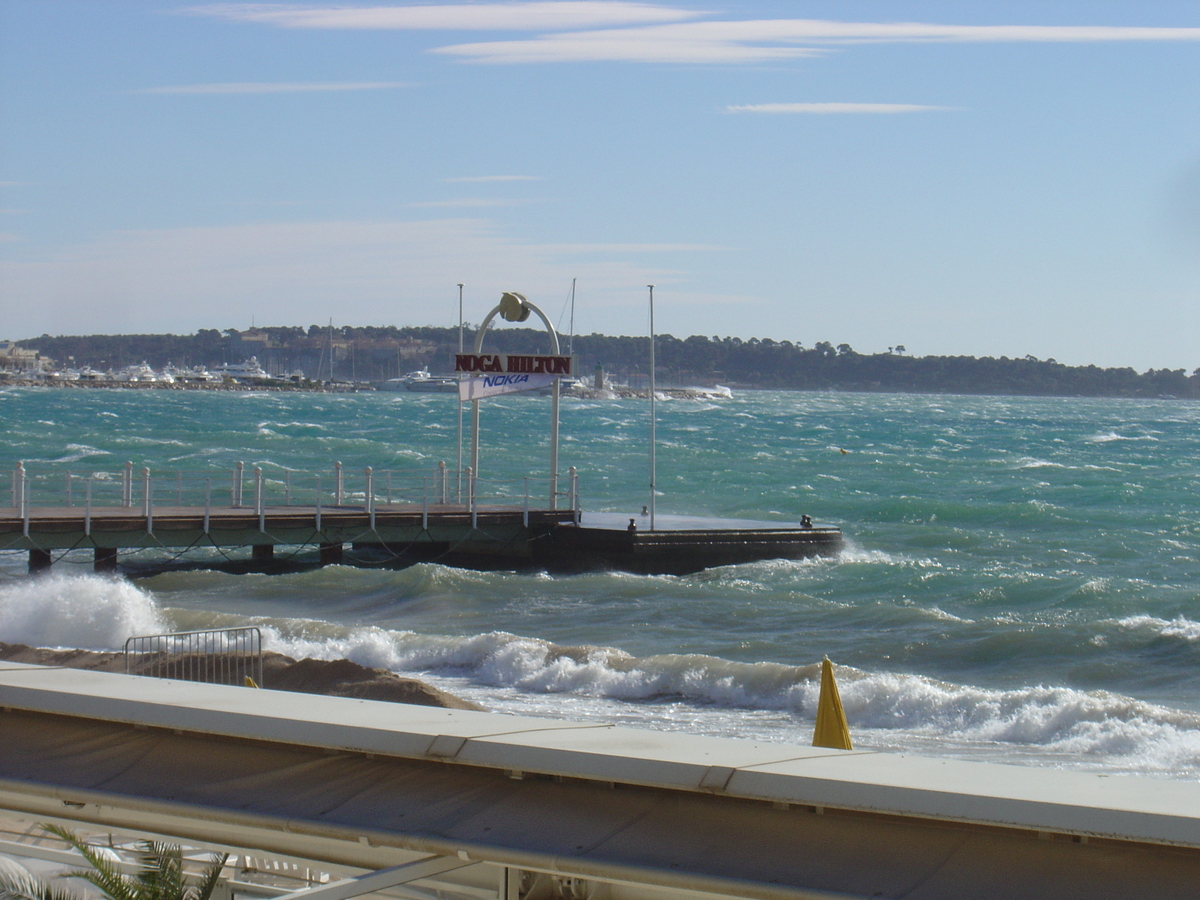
[[18, 883], [103, 873], [162, 874], [210, 878]]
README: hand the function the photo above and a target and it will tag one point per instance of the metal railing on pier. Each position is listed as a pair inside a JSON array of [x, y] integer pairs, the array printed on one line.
[[216, 656], [259, 488]]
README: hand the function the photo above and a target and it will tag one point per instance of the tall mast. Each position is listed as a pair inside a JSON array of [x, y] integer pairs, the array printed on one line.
[[652, 422], [460, 405], [571, 338]]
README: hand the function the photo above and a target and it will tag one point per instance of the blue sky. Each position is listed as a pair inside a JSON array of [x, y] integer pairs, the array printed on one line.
[[985, 178]]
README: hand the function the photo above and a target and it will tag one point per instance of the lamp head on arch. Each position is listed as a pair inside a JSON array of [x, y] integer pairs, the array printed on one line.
[[514, 307]]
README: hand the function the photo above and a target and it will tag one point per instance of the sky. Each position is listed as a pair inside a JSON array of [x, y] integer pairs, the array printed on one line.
[[984, 178]]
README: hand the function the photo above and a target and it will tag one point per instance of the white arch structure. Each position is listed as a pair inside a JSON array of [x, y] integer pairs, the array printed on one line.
[[513, 307]]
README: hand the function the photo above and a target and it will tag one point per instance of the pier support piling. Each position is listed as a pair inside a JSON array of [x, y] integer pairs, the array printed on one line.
[[104, 559], [331, 554], [39, 561]]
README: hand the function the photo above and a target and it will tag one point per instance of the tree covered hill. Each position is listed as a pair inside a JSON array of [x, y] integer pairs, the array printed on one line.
[[378, 353]]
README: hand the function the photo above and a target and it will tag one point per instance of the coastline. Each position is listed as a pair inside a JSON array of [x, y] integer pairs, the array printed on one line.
[[335, 678]]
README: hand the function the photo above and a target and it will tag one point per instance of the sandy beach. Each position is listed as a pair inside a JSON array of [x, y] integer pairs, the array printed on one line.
[[338, 677]]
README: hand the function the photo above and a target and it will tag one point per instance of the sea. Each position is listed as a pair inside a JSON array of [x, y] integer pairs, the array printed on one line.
[[1020, 583]]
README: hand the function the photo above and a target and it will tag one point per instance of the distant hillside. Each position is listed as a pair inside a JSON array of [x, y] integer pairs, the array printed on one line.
[[378, 353]]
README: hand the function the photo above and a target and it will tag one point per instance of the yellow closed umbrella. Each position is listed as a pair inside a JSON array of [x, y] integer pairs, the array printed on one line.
[[832, 730]]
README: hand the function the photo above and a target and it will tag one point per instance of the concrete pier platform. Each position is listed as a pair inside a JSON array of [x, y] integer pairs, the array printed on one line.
[[487, 537]]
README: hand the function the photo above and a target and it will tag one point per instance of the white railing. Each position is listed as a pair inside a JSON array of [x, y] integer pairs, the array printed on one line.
[[262, 489]]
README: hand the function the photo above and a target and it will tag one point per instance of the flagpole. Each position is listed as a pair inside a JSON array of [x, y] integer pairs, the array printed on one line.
[[460, 406], [652, 416]]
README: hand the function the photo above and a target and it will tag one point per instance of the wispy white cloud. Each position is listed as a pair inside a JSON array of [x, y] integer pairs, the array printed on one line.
[[634, 248], [485, 178], [534, 16], [593, 30], [465, 203], [646, 45], [272, 87], [836, 108], [758, 40]]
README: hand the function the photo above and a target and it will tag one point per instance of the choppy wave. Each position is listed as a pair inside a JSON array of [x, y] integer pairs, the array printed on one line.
[[1179, 627], [1109, 436], [91, 612], [1059, 720], [100, 613]]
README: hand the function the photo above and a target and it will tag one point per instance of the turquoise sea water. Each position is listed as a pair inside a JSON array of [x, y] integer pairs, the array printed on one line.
[[1020, 583]]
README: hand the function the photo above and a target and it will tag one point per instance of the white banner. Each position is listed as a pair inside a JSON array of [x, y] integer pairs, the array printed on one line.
[[501, 383]]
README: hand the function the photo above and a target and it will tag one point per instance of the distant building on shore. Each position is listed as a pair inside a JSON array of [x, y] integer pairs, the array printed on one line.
[[22, 363]]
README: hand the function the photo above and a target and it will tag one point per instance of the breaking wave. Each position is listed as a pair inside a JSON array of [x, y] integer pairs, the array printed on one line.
[[1083, 724], [88, 612]]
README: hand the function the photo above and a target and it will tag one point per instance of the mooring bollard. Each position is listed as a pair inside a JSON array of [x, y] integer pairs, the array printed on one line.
[[443, 482], [235, 494], [338, 484]]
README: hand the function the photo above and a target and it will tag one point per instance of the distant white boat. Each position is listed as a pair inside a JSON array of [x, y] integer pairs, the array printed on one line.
[[421, 381], [191, 376], [142, 373], [249, 371]]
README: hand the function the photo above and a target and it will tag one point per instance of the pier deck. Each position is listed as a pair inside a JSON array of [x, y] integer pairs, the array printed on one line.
[[492, 537]]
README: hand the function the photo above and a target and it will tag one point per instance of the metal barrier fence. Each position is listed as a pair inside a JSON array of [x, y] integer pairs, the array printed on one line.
[[217, 656], [256, 489]]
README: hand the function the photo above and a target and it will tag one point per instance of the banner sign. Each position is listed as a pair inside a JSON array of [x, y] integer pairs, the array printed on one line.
[[502, 383], [512, 363]]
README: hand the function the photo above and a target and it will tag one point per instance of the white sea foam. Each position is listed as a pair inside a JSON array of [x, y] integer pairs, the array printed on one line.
[[500, 659], [1109, 436], [1179, 627], [1086, 725], [1028, 462], [80, 451], [89, 612], [1077, 722]]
